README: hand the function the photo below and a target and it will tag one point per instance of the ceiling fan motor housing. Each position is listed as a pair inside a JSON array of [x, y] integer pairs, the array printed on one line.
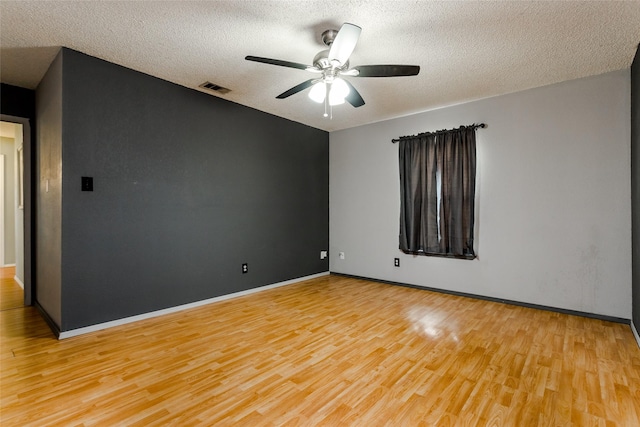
[[322, 62]]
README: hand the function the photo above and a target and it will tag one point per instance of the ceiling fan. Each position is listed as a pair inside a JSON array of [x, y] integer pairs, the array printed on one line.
[[332, 64]]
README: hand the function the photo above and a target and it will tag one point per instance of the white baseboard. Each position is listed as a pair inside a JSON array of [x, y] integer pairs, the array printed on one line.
[[635, 333], [19, 282], [8, 265], [124, 321]]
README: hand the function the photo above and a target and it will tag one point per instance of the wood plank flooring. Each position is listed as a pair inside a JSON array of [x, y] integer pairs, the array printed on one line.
[[332, 351], [11, 294]]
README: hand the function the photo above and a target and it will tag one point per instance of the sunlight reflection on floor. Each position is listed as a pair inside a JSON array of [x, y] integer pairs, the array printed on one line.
[[433, 323]]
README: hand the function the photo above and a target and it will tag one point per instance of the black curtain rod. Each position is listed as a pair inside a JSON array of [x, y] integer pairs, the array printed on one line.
[[473, 126]]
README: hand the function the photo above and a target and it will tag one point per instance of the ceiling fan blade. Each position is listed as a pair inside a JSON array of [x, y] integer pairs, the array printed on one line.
[[296, 89], [354, 97], [276, 62], [387, 70], [344, 43]]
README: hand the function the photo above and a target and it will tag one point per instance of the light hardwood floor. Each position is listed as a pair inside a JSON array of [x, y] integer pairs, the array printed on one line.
[[332, 351], [11, 294]]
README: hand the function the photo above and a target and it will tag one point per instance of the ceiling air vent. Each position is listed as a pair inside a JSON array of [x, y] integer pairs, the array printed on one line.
[[214, 88]]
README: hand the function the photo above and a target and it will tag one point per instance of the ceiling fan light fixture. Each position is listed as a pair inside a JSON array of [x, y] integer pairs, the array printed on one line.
[[335, 101], [318, 92], [339, 91], [337, 94], [332, 63]]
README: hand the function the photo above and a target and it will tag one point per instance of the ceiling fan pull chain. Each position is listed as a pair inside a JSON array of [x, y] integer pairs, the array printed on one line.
[[327, 106], [329, 86]]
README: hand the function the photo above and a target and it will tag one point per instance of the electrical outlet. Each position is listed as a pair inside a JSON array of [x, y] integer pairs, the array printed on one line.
[[323, 254], [245, 268], [341, 255], [396, 262]]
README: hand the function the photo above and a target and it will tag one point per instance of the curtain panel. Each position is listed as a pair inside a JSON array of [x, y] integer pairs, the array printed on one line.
[[437, 190]]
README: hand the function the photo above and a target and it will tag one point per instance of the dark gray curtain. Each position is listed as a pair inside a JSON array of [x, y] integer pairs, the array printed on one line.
[[451, 157]]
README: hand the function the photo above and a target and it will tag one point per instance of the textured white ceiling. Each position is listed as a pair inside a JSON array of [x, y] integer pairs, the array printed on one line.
[[466, 50]]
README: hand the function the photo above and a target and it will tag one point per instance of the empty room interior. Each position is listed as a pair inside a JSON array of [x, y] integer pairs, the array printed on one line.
[[304, 213]]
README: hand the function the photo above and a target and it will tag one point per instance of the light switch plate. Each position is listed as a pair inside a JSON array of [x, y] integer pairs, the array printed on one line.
[[87, 183]]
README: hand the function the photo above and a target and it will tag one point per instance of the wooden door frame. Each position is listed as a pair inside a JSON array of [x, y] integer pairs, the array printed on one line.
[[2, 242]]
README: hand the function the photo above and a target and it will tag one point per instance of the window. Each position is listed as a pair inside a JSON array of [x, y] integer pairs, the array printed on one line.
[[437, 190]]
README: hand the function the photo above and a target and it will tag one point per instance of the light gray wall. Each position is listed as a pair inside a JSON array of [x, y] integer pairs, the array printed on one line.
[[14, 215], [49, 198], [553, 207], [8, 148], [18, 232]]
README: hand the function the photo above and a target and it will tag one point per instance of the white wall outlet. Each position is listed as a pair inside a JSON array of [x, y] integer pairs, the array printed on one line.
[[341, 255], [323, 254]]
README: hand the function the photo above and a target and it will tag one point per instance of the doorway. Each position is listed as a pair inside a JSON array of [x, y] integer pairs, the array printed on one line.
[[11, 294], [12, 216]]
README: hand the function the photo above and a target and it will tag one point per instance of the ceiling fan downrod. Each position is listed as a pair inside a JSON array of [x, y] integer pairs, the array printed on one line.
[[328, 36]]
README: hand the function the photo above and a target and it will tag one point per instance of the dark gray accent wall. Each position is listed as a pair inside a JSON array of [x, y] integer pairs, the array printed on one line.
[[186, 188], [635, 187], [49, 192]]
